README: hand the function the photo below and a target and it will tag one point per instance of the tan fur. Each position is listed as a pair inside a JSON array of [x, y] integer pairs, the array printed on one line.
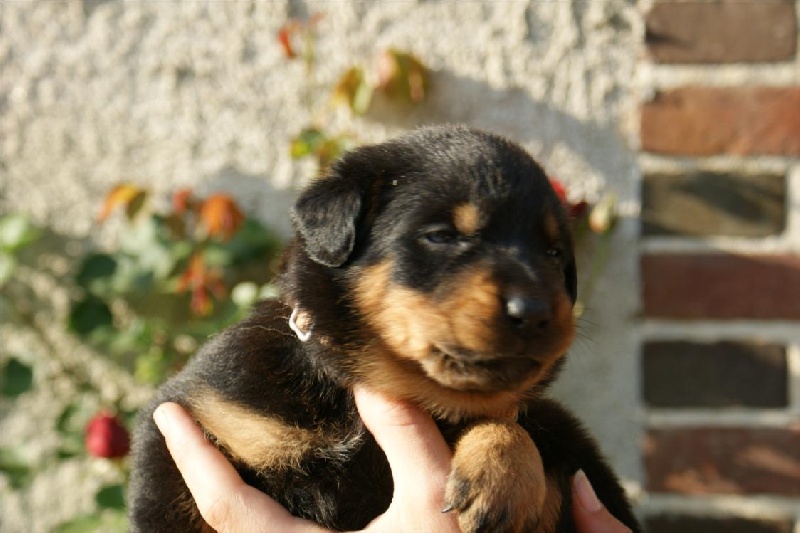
[[410, 325], [466, 218], [551, 510], [260, 441], [497, 466], [473, 308]]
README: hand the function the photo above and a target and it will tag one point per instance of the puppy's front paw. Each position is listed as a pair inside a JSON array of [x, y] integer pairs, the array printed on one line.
[[497, 482]]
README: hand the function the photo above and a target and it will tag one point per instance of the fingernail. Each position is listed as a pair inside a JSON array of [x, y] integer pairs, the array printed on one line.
[[161, 418], [585, 493]]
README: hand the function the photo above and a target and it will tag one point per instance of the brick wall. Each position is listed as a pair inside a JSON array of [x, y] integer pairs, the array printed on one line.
[[720, 266]]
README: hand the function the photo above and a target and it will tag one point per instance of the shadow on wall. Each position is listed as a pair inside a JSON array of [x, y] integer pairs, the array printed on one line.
[[514, 113], [589, 146]]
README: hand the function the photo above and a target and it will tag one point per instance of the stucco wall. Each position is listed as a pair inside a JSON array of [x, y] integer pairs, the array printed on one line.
[[199, 94]]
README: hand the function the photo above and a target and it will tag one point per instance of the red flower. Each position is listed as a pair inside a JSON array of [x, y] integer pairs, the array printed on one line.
[[107, 437], [560, 190], [575, 210]]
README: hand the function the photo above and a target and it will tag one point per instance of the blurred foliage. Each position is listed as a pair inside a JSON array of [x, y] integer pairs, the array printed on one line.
[[593, 228], [164, 288], [171, 278], [175, 275], [398, 76]]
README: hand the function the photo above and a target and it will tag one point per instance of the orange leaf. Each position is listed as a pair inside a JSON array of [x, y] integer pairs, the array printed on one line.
[[220, 215], [126, 195], [402, 76]]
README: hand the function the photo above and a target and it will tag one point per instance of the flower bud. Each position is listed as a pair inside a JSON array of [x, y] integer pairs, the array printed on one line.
[[107, 437]]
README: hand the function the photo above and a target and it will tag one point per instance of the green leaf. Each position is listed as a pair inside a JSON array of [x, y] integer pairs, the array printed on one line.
[[8, 263], [137, 337], [307, 142], [96, 273], [218, 254], [88, 315], [15, 467], [73, 418], [252, 241], [132, 276], [153, 367], [16, 231], [110, 497], [105, 521], [16, 378], [353, 90], [89, 523]]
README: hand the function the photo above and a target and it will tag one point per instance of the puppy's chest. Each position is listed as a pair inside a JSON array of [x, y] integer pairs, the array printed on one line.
[[341, 481]]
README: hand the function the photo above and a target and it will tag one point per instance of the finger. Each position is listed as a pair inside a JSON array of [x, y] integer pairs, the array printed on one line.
[[589, 513], [226, 502], [417, 453]]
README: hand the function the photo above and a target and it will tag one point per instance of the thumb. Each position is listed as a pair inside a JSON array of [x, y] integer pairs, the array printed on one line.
[[590, 514]]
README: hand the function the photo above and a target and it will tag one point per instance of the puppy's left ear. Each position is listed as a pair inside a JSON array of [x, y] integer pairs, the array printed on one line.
[[326, 216]]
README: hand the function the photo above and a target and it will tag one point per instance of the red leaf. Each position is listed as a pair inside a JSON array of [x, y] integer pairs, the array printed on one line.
[[182, 201], [203, 283], [285, 40]]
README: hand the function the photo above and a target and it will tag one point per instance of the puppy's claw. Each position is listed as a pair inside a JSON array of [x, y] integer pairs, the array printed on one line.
[[447, 508]]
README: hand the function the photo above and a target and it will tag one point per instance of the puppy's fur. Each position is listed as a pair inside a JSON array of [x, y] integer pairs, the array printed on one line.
[[438, 268]]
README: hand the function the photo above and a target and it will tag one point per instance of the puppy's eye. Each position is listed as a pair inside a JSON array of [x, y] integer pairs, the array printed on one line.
[[555, 253], [440, 236]]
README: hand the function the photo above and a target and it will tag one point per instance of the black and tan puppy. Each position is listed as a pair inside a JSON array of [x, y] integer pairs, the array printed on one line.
[[437, 267]]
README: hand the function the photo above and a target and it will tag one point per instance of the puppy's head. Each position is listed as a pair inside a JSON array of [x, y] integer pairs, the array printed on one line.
[[455, 263]]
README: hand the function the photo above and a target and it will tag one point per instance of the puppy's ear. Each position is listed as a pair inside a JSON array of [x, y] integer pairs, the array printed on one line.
[[326, 216]]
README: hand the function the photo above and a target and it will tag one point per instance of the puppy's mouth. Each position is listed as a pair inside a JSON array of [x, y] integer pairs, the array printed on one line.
[[469, 371]]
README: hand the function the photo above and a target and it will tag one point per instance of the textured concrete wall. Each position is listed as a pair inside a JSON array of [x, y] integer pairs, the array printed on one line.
[[173, 94]]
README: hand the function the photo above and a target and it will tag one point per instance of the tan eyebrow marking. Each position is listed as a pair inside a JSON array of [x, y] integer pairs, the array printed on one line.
[[466, 218]]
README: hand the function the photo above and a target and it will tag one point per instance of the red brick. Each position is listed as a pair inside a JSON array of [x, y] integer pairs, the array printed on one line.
[[663, 523], [723, 31], [736, 460], [721, 286], [679, 374], [712, 203], [704, 121]]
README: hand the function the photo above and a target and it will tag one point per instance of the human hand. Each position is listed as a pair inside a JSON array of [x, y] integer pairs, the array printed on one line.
[[589, 513], [417, 454]]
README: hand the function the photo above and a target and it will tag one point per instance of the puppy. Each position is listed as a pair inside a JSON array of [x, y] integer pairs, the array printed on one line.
[[438, 268]]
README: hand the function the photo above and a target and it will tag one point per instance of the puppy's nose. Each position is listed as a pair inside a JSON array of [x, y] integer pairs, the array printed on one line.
[[527, 311]]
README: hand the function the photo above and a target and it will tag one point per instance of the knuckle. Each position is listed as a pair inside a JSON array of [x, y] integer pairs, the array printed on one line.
[[219, 512]]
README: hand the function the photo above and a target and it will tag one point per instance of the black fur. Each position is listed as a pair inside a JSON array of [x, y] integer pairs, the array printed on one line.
[[381, 203]]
